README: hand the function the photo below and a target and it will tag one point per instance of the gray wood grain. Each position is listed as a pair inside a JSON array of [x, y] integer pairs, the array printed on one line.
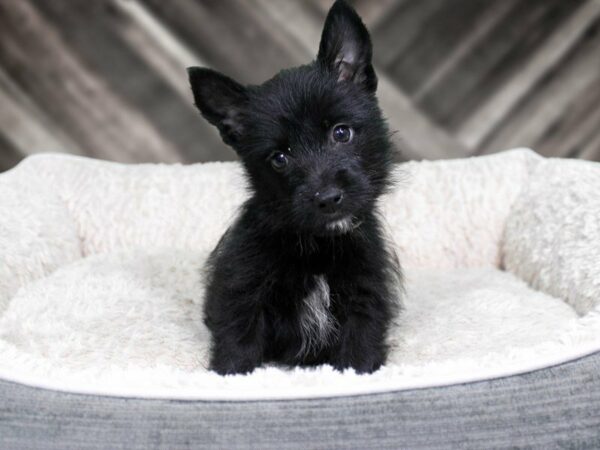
[[495, 60], [42, 63], [129, 77], [231, 36], [28, 129], [521, 82], [560, 117], [107, 78]]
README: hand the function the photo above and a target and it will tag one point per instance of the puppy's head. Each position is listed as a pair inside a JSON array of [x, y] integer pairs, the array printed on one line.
[[312, 138]]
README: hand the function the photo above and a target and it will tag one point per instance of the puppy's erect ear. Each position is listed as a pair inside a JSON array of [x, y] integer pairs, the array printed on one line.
[[220, 100], [346, 47]]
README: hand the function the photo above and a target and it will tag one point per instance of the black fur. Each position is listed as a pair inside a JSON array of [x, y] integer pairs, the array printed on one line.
[[303, 277]]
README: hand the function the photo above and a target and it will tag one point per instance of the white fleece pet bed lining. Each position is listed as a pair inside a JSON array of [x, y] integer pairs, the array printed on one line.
[[100, 288]]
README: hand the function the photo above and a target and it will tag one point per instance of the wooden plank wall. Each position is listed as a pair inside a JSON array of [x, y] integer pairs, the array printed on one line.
[[458, 77]]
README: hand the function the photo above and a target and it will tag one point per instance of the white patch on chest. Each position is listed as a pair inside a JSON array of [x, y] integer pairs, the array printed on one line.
[[316, 321]]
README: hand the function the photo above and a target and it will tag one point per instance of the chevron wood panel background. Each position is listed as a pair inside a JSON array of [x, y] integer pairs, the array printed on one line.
[[458, 77]]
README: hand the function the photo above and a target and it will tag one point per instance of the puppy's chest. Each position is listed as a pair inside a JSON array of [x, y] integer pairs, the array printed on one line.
[[317, 323]]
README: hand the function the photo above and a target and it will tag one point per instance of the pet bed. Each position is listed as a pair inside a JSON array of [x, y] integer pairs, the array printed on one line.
[[102, 344]]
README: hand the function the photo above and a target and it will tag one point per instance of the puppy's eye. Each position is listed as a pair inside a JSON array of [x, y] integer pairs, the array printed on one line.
[[279, 161], [342, 133]]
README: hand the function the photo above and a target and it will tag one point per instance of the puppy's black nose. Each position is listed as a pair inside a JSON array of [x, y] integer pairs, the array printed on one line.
[[328, 200]]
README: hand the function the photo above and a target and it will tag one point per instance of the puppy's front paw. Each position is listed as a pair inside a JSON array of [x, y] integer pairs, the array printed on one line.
[[227, 360], [233, 367], [363, 364]]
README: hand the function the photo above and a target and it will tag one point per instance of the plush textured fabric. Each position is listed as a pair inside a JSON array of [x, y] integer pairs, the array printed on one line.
[[552, 238], [101, 287]]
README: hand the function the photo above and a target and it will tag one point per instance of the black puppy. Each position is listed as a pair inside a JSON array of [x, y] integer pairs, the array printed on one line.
[[303, 277]]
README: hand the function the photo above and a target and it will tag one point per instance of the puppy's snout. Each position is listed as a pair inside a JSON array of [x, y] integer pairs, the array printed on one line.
[[329, 200]]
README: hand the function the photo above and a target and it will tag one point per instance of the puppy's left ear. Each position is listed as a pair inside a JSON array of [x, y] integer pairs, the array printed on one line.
[[346, 48], [221, 101]]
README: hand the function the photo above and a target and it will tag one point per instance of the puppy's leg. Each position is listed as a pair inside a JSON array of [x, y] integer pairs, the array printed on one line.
[[237, 345], [362, 345], [228, 358]]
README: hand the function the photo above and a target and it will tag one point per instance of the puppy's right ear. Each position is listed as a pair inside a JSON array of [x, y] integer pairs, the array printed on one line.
[[345, 47], [220, 100]]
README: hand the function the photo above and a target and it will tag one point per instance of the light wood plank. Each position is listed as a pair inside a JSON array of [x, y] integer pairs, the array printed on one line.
[[573, 133], [591, 150], [486, 118], [495, 60], [231, 37], [440, 34], [168, 56], [95, 36], [538, 120], [398, 31], [371, 11], [483, 26], [97, 120], [27, 129]]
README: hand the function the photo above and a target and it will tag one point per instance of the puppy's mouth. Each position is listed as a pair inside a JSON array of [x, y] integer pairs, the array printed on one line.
[[343, 225]]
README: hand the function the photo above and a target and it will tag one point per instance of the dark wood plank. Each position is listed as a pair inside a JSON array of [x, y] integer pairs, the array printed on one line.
[[559, 116], [486, 23], [95, 33], [495, 60], [438, 36], [374, 11], [591, 149], [230, 36], [39, 61], [10, 155], [574, 131], [397, 32], [514, 91], [106, 78], [28, 128], [370, 11]]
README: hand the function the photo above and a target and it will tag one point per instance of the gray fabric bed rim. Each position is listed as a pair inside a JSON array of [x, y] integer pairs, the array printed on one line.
[[557, 407]]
